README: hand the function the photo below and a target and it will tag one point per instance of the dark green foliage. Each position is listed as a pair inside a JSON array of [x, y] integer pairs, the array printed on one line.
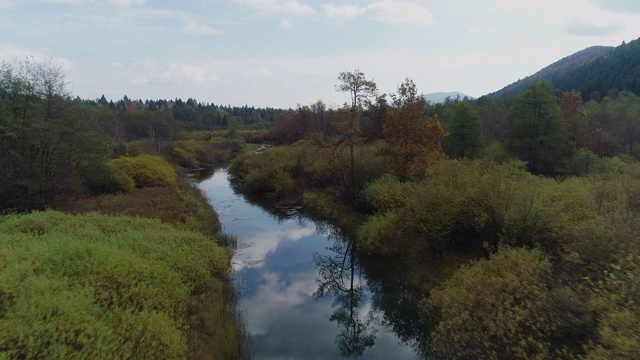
[[464, 139], [535, 134], [555, 72], [618, 69], [44, 135], [593, 71]]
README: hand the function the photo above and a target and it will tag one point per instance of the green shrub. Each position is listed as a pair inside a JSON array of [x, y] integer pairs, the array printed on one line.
[[496, 308], [107, 178], [235, 144], [147, 170], [379, 234], [384, 193], [184, 158]]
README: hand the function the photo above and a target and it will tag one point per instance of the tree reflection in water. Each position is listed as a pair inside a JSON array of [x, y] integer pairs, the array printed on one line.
[[340, 274]]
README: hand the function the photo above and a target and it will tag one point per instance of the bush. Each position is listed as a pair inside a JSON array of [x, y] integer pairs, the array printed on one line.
[[147, 170], [495, 309], [107, 178], [379, 234], [235, 144], [184, 158]]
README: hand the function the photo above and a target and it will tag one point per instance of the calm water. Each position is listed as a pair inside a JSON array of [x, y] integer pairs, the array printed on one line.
[[304, 290]]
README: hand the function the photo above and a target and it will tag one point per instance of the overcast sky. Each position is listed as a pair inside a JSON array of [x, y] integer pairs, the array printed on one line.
[[280, 53]]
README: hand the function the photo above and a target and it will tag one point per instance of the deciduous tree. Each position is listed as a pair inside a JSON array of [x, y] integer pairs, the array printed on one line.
[[411, 142]]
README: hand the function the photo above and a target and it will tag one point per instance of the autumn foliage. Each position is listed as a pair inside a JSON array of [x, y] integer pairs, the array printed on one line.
[[411, 142]]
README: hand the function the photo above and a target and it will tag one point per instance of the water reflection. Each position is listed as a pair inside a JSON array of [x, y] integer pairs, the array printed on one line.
[[340, 274], [304, 290]]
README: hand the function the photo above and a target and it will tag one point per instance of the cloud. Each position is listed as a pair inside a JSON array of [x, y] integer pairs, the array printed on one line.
[[118, 3], [257, 72], [285, 24], [149, 72], [4, 4], [266, 242], [623, 6], [492, 30], [581, 28], [282, 297], [289, 6], [10, 52], [193, 27], [392, 11]]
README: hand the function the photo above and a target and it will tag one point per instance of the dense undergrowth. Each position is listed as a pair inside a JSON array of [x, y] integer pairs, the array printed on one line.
[[556, 269], [97, 286]]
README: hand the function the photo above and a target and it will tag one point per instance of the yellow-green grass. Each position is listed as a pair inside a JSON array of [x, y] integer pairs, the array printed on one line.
[[98, 286]]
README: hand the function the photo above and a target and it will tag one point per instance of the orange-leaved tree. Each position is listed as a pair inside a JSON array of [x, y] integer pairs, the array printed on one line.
[[411, 142]]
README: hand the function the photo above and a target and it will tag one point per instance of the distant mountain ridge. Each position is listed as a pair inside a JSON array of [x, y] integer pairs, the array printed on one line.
[[439, 97], [554, 71]]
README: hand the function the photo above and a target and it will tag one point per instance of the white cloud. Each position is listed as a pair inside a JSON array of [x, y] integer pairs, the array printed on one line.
[[139, 80], [285, 24], [193, 27], [257, 72], [4, 4], [148, 72], [118, 3], [266, 242], [199, 73], [345, 11], [290, 6], [276, 295], [127, 3], [392, 11], [10, 52]]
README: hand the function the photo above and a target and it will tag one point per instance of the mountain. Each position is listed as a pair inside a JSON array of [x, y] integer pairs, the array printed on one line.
[[618, 69], [439, 97], [555, 71]]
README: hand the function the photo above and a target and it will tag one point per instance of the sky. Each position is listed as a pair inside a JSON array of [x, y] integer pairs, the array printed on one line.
[[281, 53]]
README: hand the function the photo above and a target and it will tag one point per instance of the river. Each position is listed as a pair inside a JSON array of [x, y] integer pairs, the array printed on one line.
[[305, 292]]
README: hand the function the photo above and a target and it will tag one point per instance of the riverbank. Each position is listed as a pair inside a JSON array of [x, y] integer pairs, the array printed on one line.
[[148, 277]]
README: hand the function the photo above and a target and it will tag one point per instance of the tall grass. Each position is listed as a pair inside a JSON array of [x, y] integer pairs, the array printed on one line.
[[100, 286]]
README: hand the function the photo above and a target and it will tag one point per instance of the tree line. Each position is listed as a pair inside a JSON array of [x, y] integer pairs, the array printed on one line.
[[48, 139]]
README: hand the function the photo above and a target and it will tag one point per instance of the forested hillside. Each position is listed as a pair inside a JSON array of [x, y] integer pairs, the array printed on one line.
[[594, 72]]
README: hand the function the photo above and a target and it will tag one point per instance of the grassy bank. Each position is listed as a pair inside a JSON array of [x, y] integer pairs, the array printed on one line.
[[136, 273], [99, 286]]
